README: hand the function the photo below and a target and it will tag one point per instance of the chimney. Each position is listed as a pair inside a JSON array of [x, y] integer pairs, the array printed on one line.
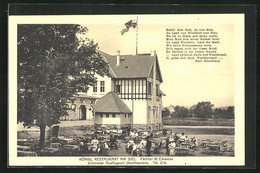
[[153, 52], [118, 58]]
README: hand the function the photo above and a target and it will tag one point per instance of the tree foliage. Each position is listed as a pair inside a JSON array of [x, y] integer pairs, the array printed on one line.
[[166, 113], [181, 111], [54, 63], [203, 109], [225, 113]]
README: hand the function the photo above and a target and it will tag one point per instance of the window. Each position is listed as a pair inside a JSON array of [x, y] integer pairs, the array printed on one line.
[[148, 112], [125, 115], [113, 115], [157, 90], [102, 86], [107, 115], [101, 115], [149, 88], [95, 87], [118, 89], [128, 115]]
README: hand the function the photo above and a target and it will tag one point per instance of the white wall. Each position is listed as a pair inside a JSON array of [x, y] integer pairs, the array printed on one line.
[[107, 87], [139, 109], [158, 105], [118, 119]]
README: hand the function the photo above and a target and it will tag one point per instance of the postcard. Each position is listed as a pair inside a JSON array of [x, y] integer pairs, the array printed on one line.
[[126, 90]]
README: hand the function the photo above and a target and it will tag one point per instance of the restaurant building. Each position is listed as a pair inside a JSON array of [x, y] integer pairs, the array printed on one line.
[[134, 85]]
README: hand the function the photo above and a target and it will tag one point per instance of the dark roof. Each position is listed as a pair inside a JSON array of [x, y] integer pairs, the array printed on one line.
[[131, 66], [162, 93], [105, 55], [111, 103]]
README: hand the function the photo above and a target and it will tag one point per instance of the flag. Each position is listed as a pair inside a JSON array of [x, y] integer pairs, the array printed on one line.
[[124, 30], [129, 24]]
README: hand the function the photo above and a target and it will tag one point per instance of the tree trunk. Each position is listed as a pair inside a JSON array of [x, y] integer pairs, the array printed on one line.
[[42, 128], [42, 135]]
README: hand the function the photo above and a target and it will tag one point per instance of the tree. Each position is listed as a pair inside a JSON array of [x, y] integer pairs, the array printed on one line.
[[219, 112], [180, 111], [166, 113], [54, 63], [231, 112], [225, 113], [203, 109]]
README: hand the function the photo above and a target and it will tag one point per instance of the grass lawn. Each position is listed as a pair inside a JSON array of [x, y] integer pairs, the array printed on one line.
[[192, 121], [201, 131]]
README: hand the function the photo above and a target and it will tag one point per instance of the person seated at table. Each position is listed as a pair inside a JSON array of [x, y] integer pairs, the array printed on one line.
[[106, 147], [82, 146], [193, 141], [143, 142], [134, 149], [114, 130], [113, 142], [120, 131], [186, 138], [135, 134], [164, 132], [94, 143], [172, 146], [171, 133], [129, 146], [131, 141], [142, 146], [182, 138], [176, 137], [151, 134], [146, 133], [131, 133], [171, 138], [107, 131]]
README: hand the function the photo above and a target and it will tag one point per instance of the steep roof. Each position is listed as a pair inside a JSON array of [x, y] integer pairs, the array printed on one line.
[[104, 56], [111, 103], [162, 93], [132, 66]]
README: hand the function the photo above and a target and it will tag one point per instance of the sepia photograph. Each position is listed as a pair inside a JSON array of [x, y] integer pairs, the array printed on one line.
[[128, 90]]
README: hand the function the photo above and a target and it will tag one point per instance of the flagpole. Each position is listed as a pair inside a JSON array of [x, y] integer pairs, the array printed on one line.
[[136, 36]]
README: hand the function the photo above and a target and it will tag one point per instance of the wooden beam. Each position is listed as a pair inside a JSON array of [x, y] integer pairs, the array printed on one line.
[[135, 88], [142, 89]]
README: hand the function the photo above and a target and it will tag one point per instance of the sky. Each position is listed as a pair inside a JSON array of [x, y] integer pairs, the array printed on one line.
[[185, 83]]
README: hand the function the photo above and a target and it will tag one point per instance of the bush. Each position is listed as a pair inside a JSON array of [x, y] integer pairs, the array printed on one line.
[[193, 121]]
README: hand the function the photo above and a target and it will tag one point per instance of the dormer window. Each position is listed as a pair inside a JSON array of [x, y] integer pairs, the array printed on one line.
[[102, 86], [95, 87]]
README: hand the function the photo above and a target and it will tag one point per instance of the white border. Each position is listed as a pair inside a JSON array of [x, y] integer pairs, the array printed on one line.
[[236, 19]]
